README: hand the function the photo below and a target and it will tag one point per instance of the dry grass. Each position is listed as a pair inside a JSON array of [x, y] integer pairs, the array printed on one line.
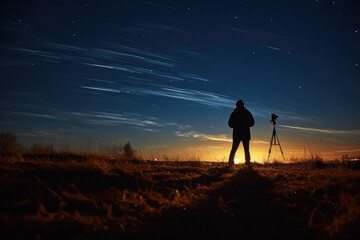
[[65, 195]]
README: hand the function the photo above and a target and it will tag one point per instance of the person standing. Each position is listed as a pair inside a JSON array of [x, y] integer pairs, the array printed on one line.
[[240, 121]]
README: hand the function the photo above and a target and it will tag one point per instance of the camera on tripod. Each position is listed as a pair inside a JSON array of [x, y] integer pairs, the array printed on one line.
[[274, 138], [273, 118]]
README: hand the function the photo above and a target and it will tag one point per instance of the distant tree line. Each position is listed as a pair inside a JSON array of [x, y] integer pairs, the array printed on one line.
[[9, 145]]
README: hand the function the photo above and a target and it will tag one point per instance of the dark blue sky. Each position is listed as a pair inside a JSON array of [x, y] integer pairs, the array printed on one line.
[[166, 74]]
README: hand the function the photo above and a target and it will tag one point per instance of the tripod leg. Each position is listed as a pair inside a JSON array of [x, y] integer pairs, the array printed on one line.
[[271, 143], [280, 147], [274, 136]]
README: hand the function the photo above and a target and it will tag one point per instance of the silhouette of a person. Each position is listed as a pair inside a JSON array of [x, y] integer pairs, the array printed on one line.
[[240, 121]]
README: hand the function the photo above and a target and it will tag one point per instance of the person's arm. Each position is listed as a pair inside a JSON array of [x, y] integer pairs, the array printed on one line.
[[251, 120]]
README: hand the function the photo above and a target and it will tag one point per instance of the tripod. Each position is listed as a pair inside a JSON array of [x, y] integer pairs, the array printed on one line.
[[275, 141]]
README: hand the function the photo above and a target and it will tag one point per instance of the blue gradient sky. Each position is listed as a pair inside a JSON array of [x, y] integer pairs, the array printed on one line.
[[166, 74]]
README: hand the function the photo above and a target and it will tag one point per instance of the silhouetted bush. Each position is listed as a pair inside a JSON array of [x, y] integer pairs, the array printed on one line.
[[118, 151], [114, 150], [8, 143], [129, 153]]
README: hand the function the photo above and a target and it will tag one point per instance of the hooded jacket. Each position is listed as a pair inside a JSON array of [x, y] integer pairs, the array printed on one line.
[[241, 120]]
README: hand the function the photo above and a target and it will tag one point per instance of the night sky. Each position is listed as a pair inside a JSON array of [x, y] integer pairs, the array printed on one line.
[[165, 75]]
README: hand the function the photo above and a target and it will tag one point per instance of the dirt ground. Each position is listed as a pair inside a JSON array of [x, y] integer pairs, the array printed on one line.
[[91, 197]]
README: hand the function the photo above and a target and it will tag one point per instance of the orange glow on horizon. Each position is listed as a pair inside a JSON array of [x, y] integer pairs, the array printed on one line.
[[215, 151]]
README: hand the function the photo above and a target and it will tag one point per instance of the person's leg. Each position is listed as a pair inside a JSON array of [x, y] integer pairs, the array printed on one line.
[[235, 146], [246, 144]]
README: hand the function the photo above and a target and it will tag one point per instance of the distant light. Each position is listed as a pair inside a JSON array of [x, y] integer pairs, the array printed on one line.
[[237, 161], [356, 31]]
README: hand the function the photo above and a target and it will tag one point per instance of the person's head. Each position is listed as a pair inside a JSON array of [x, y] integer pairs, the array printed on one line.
[[240, 103]]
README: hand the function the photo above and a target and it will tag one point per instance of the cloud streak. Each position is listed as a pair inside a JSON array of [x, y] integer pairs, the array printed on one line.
[[47, 134], [111, 119], [102, 118], [116, 57], [212, 137], [160, 5], [326, 131], [271, 47], [102, 89], [109, 67], [193, 77], [30, 114], [195, 96], [204, 137], [235, 29], [349, 150]]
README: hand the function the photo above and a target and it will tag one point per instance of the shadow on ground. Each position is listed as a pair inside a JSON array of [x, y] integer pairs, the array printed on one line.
[[243, 209]]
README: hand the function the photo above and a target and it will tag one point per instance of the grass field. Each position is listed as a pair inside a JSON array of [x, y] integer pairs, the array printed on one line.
[[69, 196]]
